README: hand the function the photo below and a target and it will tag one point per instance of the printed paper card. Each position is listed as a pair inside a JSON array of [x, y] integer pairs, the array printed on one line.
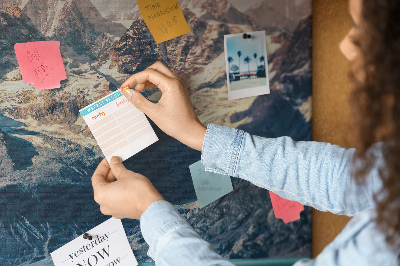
[[288, 211], [164, 18], [41, 63], [246, 64], [108, 246], [118, 126], [209, 186]]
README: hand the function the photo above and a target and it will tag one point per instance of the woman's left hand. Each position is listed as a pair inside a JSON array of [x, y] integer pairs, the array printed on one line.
[[127, 197]]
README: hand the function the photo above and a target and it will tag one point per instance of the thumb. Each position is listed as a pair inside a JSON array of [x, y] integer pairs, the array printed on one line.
[[117, 167], [138, 100]]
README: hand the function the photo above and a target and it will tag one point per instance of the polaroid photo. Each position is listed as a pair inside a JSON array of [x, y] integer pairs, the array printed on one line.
[[246, 64]]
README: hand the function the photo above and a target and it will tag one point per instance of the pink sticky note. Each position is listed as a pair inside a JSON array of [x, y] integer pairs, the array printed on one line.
[[286, 210], [41, 63]]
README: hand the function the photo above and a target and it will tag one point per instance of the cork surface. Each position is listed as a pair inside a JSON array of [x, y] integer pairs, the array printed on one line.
[[331, 88]]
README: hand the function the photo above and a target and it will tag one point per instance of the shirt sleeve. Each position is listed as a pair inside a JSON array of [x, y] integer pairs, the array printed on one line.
[[172, 240], [312, 173]]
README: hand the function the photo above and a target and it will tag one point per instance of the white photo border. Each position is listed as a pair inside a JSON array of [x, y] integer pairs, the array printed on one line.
[[247, 92]]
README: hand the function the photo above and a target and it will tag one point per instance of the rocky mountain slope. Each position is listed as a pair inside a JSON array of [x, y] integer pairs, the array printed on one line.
[[221, 11], [116, 7], [15, 27], [6, 165], [295, 54], [75, 23], [284, 14], [19, 3], [238, 236], [194, 50], [208, 10]]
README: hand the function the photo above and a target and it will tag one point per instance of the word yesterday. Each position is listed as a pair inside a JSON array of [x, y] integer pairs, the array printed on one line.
[[89, 246]]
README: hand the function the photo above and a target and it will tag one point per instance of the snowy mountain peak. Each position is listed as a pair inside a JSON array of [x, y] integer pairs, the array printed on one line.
[[49, 15]]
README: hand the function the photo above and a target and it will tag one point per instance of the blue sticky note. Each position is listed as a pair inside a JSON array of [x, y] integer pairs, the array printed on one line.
[[209, 186]]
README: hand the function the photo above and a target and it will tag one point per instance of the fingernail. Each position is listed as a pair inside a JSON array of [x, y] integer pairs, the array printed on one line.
[[115, 160], [129, 93], [124, 88]]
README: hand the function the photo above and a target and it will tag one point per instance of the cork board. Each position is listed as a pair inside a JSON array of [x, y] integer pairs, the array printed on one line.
[[331, 89]]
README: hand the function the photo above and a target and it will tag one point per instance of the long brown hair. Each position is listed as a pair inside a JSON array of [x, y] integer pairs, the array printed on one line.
[[376, 107]]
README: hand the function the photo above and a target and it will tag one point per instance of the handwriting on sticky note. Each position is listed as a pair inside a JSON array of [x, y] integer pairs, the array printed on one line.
[[284, 209], [108, 246], [118, 126], [164, 18], [41, 63], [209, 186]]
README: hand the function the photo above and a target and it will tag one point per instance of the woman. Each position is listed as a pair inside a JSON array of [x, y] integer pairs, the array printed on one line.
[[316, 174]]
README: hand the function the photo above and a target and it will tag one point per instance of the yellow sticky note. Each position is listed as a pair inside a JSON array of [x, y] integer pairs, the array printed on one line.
[[164, 18]]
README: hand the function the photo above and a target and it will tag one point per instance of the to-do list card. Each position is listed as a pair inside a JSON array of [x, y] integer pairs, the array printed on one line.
[[118, 126]]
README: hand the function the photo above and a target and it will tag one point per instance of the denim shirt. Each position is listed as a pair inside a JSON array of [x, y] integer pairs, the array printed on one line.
[[312, 173]]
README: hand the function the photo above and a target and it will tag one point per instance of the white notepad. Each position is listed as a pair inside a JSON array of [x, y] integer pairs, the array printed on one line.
[[118, 126]]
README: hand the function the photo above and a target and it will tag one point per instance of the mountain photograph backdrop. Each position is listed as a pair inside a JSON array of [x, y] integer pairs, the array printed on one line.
[[48, 154]]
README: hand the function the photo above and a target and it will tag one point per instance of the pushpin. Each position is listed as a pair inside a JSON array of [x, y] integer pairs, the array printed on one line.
[[246, 36], [87, 236], [124, 88]]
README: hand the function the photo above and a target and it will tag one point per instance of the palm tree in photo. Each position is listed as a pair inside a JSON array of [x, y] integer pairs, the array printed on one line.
[[239, 54], [255, 58], [234, 68], [247, 61], [262, 59], [230, 60], [261, 68]]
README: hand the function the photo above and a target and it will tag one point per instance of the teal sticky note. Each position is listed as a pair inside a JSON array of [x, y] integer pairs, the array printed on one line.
[[209, 186]]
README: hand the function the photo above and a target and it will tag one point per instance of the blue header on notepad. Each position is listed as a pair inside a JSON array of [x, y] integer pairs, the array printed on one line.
[[100, 103]]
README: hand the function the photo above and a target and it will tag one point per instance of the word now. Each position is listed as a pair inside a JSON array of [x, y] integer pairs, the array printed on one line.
[[94, 258], [169, 24]]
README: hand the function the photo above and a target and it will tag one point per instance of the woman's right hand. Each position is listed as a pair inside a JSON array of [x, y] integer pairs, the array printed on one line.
[[174, 112]]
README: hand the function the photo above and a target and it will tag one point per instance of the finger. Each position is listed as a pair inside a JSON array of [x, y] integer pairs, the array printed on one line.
[[143, 86], [99, 176], [105, 210], [160, 67], [140, 102], [117, 167], [110, 177], [158, 79]]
